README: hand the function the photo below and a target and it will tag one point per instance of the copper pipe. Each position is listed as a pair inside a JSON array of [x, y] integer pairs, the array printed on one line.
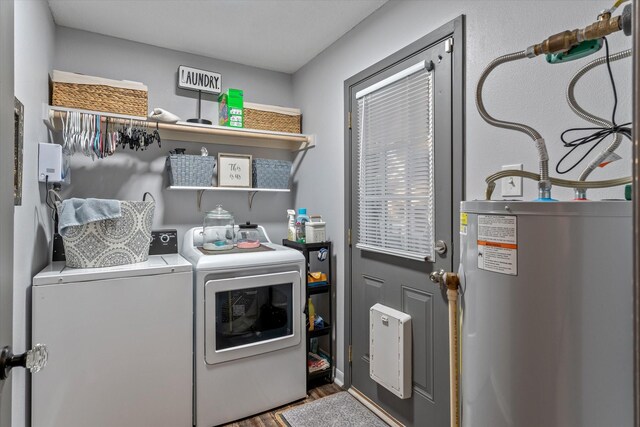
[[565, 40]]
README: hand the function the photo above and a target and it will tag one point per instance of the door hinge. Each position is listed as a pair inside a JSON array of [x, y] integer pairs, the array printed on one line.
[[349, 118], [448, 45], [350, 353], [349, 237]]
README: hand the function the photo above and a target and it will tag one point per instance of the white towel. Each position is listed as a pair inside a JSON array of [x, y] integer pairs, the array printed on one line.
[[83, 211]]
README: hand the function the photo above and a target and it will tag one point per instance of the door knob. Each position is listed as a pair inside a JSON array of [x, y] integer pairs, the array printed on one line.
[[437, 276], [33, 360]]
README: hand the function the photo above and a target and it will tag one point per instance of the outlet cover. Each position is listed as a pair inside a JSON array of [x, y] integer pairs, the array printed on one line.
[[512, 185]]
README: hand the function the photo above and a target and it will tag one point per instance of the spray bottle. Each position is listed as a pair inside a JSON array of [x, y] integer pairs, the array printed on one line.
[[291, 226]]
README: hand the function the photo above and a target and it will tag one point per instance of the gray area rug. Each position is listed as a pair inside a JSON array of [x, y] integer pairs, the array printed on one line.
[[338, 410]]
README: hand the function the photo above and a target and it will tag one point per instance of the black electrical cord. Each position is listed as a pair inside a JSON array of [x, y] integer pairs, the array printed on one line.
[[50, 203], [46, 193], [598, 134]]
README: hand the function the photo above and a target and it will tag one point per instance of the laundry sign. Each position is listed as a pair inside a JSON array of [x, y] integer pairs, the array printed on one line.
[[201, 80]]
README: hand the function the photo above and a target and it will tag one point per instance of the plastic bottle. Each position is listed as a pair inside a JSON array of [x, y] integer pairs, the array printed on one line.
[[312, 315], [302, 219], [291, 225], [299, 233]]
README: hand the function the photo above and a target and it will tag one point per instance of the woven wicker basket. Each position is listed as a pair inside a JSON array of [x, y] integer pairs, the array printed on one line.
[[266, 117], [98, 97], [187, 170], [268, 173], [110, 242]]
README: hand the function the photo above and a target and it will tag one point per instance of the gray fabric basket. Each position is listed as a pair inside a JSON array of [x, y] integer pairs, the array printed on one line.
[[110, 242], [269, 173], [186, 170]]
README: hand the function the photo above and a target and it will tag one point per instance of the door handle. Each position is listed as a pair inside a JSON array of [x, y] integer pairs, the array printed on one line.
[[34, 360], [437, 276]]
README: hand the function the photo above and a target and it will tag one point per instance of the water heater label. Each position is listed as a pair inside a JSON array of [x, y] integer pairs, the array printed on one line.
[[464, 219], [498, 243]]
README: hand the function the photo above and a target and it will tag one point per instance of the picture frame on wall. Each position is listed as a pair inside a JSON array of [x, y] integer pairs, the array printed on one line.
[[18, 149], [234, 170]]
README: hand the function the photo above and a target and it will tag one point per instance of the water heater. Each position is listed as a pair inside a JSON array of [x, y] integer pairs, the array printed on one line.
[[547, 314]]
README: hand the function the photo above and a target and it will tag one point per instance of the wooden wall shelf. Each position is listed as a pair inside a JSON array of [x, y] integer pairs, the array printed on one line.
[[251, 192], [245, 189], [193, 132]]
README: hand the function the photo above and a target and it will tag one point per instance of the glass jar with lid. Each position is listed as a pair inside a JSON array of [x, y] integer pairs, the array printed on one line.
[[218, 230], [248, 236]]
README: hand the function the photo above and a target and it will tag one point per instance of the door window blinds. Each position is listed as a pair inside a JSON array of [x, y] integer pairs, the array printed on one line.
[[395, 177]]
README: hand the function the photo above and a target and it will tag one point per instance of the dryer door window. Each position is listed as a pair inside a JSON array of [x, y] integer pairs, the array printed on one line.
[[247, 316]]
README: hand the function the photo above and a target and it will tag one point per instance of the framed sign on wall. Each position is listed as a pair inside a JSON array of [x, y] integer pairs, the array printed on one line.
[[234, 170], [18, 148]]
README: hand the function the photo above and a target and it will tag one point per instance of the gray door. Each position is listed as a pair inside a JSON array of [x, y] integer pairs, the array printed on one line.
[[6, 194], [400, 282]]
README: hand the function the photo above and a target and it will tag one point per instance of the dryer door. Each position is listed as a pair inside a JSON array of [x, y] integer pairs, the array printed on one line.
[[250, 315]]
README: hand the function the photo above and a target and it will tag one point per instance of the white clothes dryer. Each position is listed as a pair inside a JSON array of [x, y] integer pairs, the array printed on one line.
[[249, 347]]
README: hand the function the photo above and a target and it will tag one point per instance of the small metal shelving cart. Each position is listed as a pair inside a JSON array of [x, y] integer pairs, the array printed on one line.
[[325, 289]]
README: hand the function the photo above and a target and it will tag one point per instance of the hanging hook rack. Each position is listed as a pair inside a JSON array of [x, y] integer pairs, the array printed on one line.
[[182, 131]]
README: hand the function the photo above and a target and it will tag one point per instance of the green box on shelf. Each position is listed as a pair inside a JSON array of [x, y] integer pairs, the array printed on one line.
[[230, 108]]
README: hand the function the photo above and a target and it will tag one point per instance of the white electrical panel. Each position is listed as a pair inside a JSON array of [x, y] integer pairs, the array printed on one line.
[[53, 164], [390, 349]]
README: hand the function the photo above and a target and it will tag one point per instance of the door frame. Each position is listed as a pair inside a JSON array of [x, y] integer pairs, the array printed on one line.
[[7, 106], [453, 29]]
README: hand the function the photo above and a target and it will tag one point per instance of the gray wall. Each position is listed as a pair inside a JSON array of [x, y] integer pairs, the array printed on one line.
[[531, 91], [34, 35], [128, 174]]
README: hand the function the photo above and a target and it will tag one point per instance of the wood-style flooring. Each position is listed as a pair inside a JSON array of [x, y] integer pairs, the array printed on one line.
[[269, 419]]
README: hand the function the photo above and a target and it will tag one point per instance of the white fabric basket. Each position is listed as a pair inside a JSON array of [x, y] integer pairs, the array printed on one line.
[[110, 242]]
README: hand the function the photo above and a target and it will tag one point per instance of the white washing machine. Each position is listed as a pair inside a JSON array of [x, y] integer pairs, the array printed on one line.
[[249, 350], [119, 342]]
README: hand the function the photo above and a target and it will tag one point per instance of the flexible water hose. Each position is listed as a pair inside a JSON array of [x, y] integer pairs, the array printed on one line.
[[491, 181], [544, 182], [453, 283], [585, 115]]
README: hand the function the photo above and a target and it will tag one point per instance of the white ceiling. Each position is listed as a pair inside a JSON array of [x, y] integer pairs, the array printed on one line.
[[280, 35]]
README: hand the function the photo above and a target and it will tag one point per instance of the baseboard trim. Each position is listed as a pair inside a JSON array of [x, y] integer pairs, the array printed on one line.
[[339, 378], [384, 415]]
